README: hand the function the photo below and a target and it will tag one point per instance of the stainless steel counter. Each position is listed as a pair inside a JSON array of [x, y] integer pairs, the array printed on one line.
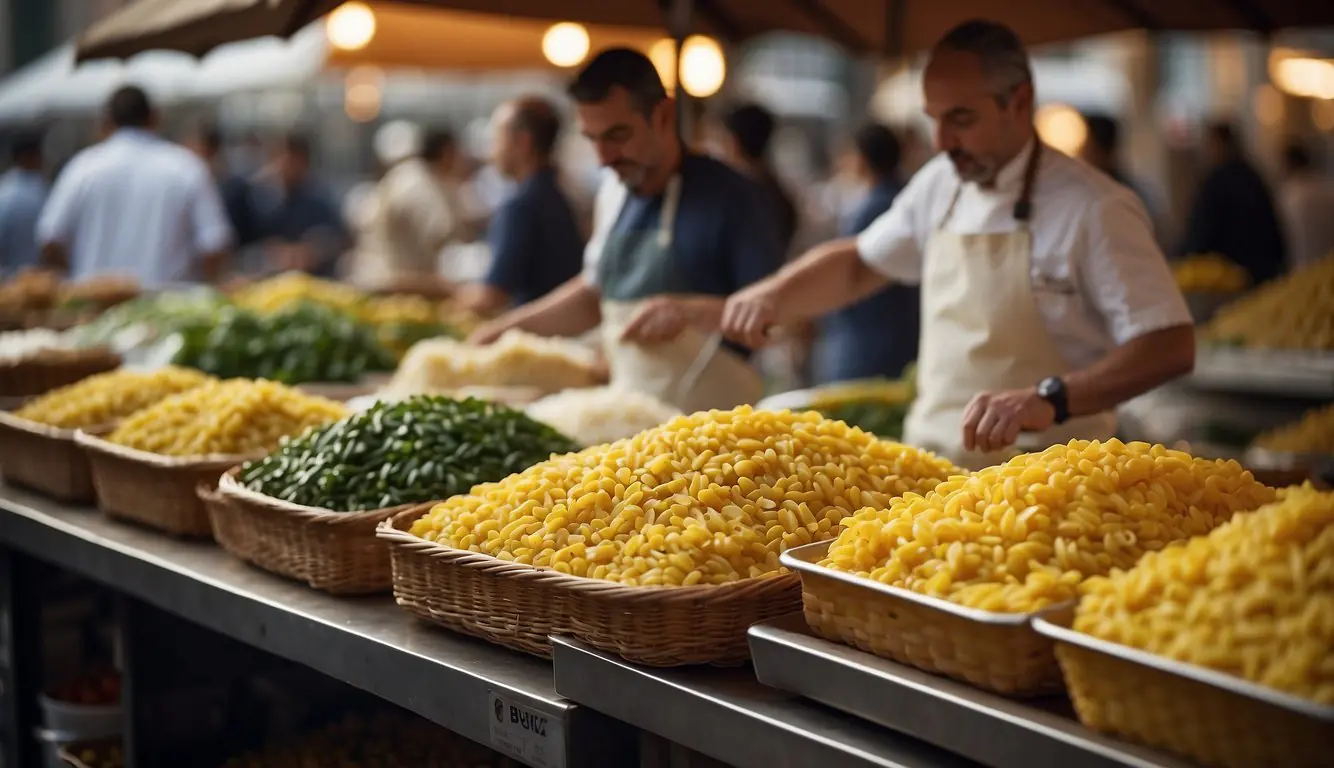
[[367, 642], [729, 716], [985, 727]]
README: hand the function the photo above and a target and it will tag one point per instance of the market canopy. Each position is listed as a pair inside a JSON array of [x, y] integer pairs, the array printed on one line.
[[865, 26]]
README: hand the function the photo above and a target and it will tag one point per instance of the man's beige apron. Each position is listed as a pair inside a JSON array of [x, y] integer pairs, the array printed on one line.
[[982, 332], [667, 370]]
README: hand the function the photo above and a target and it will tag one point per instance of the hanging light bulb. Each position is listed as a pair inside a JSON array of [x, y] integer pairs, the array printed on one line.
[[1061, 127], [703, 66], [351, 26], [565, 44]]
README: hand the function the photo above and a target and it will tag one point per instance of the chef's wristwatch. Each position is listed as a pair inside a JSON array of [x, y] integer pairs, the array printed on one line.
[[1052, 389]]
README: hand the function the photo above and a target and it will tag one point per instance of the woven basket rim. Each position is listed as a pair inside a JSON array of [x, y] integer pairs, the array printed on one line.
[[9, 420], [220, 460], [231, 488], [69, 358], [393, 530]]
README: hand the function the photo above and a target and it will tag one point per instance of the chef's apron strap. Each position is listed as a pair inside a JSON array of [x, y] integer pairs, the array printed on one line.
[[1023, 207]]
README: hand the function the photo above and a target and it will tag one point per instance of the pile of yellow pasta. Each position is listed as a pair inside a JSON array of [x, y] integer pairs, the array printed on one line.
[[1295, 311], [703, 499], [1314, 433], [1021, 536], [1254, 598], [236, 416], [107, 398], [1210, 273], [281, 291]]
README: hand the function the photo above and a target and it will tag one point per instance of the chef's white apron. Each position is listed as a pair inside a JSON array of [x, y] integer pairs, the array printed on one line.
[[982, 332], [633, 270]]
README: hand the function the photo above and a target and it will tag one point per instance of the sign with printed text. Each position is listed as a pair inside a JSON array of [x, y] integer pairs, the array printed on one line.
[[526, 734]]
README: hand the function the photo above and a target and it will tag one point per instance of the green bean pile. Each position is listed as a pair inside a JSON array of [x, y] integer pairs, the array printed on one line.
[[425, 448]]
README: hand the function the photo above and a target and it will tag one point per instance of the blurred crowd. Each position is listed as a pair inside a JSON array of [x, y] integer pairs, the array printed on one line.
[[206, 207]]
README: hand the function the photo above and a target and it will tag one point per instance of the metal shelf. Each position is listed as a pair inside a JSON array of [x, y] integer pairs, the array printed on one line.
[[729, 716], [990, 729], [370, 643]]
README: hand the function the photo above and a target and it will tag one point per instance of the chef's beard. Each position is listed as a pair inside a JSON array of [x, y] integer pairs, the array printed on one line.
[[969, 167], [631, 174]]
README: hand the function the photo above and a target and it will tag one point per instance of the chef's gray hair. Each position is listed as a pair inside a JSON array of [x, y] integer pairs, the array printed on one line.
[[1004, 59]]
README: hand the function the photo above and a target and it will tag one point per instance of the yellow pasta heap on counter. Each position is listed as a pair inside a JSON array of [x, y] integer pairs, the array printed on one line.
[[1314, 433], [703, 499], [1254, 599], [1021, 536], [236, 416], [107, 398]]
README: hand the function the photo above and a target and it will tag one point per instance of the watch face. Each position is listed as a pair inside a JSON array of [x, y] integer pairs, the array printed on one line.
[[1048, 387]]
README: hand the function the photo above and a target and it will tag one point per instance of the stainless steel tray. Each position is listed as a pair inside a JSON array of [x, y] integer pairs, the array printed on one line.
[[806, 559], [988, 728], [1057, 627], [1286, 373]]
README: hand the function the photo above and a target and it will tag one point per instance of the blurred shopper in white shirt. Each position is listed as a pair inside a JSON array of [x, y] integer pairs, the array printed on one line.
[[1306, 203], [135, 205], [416, 210]]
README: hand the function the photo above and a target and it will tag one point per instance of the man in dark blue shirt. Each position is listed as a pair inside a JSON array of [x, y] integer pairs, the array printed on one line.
[[877, 336], [534, 237], [296, 219], [673, 235], [1234, 212]]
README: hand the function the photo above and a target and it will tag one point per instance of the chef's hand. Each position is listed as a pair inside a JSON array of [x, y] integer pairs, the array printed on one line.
[[659, 320], [489, 331], [749, 315], [993, 420]]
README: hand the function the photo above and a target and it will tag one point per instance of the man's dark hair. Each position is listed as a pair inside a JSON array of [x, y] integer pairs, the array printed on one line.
[[1222, 132], [297, 144], [753, 127], [619, 68], [879, 148], [210, 138], [436, 143], [26, 148], [1103, 131], [1297, 158], [1004, 58], [129, 107], [538, 118]]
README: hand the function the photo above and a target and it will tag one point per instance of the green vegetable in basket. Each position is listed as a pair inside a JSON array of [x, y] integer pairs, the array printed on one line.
[[879, 418], [421, 449], [304, 343]]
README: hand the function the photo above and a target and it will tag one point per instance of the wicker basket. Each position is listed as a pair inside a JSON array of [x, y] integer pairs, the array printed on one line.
[[520, 606], [45, 459], [52, 369], [1214, 719], [997, 651], [158, 491], [336, 552]]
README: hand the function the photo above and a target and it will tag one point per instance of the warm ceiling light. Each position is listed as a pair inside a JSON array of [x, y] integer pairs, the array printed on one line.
[[1302, 76], [351, 26], [565, 44], [703, 67], [663, 55], [1062, 127]]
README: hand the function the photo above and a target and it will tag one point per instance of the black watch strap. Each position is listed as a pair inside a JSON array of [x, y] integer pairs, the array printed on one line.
[[1052, 389]]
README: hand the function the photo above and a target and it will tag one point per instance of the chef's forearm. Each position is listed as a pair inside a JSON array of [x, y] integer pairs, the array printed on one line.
[[704, 312], [826, 278], [570, 310], [1132, 369]]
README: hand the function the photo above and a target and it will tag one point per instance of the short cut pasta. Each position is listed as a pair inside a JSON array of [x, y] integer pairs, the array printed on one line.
[[1254, 598], [709, 498], [1022, 535]]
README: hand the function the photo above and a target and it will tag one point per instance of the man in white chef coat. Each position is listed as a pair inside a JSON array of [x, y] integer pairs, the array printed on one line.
[[1045, 300]]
